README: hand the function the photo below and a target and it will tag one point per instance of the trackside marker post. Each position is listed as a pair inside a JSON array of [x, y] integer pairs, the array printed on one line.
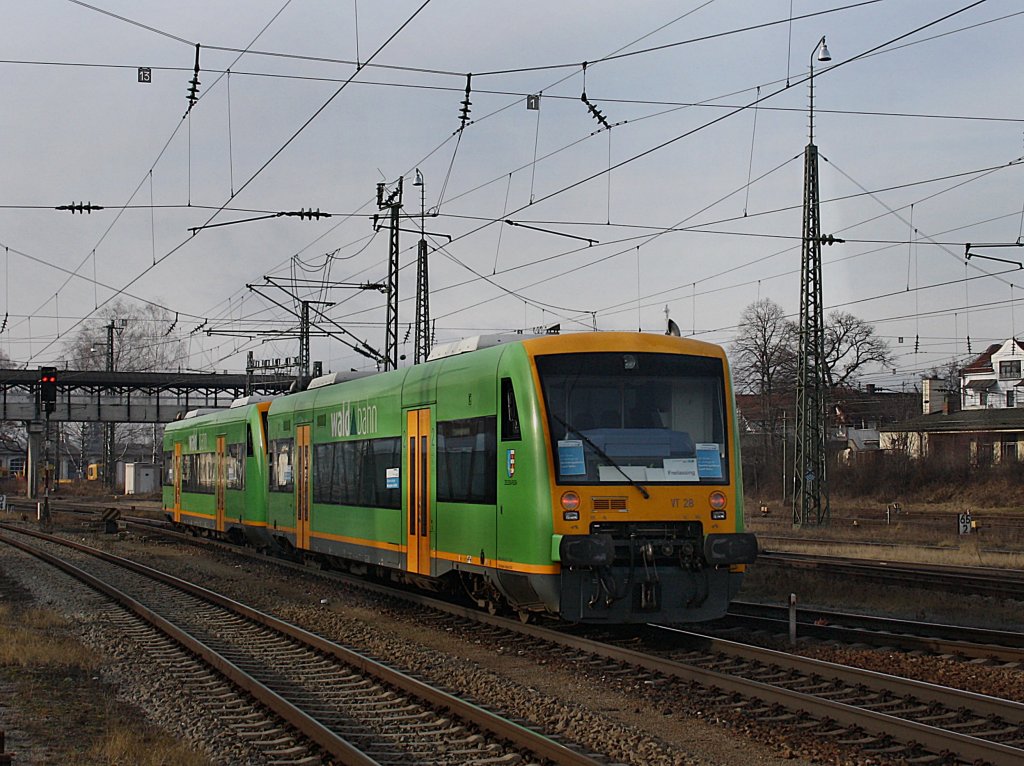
[[792, 619]]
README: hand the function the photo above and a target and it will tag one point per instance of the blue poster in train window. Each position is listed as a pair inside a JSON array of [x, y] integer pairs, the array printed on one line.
[[570, 457], [709, 461]]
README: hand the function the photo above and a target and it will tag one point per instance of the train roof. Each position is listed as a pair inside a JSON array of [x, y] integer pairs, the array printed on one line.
[[243, 401], [200, 412], [476, 343], [338, 377]]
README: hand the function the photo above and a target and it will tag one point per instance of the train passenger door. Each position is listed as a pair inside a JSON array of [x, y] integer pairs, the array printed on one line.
[[418, 471], [219, 484], [302, 487], [177, 482]]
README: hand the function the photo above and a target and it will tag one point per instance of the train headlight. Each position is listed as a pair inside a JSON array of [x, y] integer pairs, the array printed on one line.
[[570, 501], [717, 500]]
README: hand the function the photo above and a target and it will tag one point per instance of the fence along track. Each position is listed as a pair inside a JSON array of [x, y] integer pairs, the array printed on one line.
[[315, 670]]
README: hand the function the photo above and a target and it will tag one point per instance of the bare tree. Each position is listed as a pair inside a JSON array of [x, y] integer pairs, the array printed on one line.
[[12, 434], [764, 352], [764, 364], [850, 346], [141, 340]]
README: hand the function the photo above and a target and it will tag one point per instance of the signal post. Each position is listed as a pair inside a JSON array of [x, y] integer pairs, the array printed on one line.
[[47, 403]]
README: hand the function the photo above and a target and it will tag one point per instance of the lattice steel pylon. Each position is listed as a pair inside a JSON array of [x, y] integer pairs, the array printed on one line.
[[422, 336], [303, 370], [394, 203], [810, 476], [421, 339]]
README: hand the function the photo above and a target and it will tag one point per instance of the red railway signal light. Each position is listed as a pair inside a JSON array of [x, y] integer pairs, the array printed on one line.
[[48, 388]]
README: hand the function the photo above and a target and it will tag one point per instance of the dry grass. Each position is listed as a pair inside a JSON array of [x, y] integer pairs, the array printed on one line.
[[60, 700], [124, 746], [33, 638], [968, 553]]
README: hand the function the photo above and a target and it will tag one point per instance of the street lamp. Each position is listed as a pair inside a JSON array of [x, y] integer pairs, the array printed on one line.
[[823, 55]]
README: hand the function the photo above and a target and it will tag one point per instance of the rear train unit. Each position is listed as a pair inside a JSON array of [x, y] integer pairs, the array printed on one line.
[[594, 477]]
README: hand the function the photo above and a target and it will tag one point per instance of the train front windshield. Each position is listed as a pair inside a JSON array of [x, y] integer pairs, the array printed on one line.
[[617, 418]]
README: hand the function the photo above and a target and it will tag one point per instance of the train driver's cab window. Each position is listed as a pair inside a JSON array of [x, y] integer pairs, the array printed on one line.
[[281, 455], [617, 418]]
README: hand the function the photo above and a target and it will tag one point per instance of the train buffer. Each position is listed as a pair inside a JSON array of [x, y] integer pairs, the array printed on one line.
[[109, 517]]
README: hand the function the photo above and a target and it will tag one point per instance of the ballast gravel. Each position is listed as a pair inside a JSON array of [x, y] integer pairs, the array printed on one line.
[[622, 717]]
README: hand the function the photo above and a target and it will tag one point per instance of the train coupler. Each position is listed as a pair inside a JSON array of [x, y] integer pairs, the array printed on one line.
[[647, 596]]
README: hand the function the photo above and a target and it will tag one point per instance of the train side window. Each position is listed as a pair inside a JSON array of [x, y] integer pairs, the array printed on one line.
[[466, 456], [249, 452], [510, 429], [235, 467], [168, 471], [281, 479]]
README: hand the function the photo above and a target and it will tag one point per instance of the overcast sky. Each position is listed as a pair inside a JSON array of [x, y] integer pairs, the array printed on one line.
[[919, 143]]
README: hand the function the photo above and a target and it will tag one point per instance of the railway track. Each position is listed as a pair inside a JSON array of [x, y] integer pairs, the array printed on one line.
[[293, 695], [826, 625], [977, 581], [892, 717], [1001, 522]]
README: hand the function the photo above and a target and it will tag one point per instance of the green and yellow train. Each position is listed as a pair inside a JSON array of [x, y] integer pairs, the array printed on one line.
[[595, 476]]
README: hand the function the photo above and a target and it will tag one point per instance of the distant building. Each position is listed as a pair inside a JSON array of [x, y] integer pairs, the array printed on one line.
[[935, 396], [977, 436], [855, 416], [988, 429], [12, 461], [993, 379]]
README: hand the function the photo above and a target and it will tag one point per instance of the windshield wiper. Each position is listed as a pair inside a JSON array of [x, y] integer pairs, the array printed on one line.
[[604, 455]]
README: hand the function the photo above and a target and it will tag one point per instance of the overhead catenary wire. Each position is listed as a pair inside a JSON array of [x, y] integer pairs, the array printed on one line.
[[557, 82], [609, 216], [274, 156], [159, 156], [518, 70]]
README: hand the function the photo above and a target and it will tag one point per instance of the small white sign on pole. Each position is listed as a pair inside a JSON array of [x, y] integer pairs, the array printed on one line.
[[963, 521]]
